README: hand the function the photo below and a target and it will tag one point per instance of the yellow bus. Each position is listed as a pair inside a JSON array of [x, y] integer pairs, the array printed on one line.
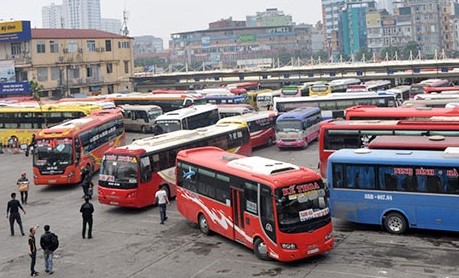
[[252, 95], [19, 122]]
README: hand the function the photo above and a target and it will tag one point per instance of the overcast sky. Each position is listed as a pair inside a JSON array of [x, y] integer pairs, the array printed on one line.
[[161, 18]]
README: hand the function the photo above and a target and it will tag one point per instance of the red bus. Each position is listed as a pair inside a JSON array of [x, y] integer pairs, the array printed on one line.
[[247, 86], [428, 143], [62, 150], [277, 209], [363, 112], [419, 88], [429, 90], [261, 125], [131, 175], [340, 134]]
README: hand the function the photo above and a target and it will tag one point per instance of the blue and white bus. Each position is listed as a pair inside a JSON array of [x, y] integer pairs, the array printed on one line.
[[398, 189], [334, 104], [192, 117], [227, 99], [298, 127]]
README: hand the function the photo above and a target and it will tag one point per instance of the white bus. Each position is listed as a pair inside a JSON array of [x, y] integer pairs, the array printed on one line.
[[265, 100], [187, 118], [334, 104], [229, 110], [140, 117], [340, 85]]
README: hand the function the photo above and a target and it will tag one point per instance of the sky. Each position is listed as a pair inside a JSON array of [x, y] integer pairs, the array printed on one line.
[[161, 18]]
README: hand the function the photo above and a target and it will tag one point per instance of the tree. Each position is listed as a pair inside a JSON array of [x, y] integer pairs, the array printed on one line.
[[322, 54], [410, 47], [363, 52], [390, 52], [36, 90]]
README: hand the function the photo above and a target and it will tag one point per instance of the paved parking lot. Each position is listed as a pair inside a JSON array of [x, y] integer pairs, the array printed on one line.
[[131, 243]]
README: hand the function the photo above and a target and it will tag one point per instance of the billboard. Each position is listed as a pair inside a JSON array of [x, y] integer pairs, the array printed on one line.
[[7, 71], [15, 31], [15, 89]]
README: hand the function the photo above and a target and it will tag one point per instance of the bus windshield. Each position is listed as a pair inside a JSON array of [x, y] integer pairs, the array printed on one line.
[[289, 125], [167, 126], [118, 172], [153, 114], [302, 212], [53, 152]]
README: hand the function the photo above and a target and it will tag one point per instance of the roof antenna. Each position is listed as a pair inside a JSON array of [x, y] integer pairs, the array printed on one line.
[[124, 29]]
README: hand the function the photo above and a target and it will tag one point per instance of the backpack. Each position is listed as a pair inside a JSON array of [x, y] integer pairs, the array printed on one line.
[[53, 242]]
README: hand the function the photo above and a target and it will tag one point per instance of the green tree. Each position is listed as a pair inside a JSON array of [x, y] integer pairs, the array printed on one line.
[[390, 52], [322, 54], [410, 47], [363, 52]]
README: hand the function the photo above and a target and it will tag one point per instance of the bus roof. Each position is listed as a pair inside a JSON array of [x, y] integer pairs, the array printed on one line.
[[80, 124], [52, 107], [299, 113], [383, 124], [278, 173], [354, 95], [174, 138], [369, 111], [413, 142], [187, 111], [270, 93], [129, 107], [248, 117], [449, 157]]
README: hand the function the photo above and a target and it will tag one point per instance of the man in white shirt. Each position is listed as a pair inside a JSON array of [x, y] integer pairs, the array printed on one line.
[[162, 200]]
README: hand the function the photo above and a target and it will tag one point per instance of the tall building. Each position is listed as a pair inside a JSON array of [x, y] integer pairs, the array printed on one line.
[[111, 25], [147, 45], [270, 17], [82, 14], [53, 16], [387, 5]]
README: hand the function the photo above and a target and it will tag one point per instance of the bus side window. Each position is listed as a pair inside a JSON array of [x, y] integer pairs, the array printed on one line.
[[134, 115], [390, 182], [434, 184], [410, 184]]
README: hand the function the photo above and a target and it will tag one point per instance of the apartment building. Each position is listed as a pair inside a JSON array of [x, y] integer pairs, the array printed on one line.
[[67, 62]]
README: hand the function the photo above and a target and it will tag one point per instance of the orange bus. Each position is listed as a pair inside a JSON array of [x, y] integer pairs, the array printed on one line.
[[429, 90], [278, 209], [62, 150], [340, 134], [399, 113], [131, 175]]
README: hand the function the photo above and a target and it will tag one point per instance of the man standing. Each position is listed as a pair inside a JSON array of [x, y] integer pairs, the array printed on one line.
[[49, 244], [162, 200], [33, 251], [87, 210], [23, 187], [85, 180], [13, 209]]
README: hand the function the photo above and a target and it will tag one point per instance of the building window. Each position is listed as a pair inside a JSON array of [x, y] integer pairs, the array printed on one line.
[[123, 45], [72, 46], [55, 73], [42, 74], [16, 48], [41, 47], [109, 68], [126, 66], [54, 47], [88, 71], [108, 45], [91, 45]]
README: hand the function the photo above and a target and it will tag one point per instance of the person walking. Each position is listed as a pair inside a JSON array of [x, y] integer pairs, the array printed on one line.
[[162, 200], [87, 209], [85, 181], [33, 250], [13, 210], [23, 187], [49, 243]]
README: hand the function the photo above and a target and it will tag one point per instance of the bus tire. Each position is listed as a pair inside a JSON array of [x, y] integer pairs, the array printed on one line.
[[395, 223], [203, 224], [270, 141], [260, 249], [144, 129]]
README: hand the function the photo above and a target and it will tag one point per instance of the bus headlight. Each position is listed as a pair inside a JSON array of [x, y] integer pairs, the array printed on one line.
[[70, 174], [131, 195], [288, 246], [328, 236]]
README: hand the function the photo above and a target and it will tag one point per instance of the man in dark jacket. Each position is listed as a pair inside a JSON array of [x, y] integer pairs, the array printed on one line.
[[49, 246], [87, 209], [13, 210], [86, 178]]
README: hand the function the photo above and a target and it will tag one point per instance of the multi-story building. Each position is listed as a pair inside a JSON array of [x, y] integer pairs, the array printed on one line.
[[270, 17], [147, 45], [330, 18], [353, 29], [69, 62], [53, 16], [111, 25], [82, 14]]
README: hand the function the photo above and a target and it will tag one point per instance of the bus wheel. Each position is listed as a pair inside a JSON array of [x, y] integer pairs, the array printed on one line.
[[270, 141], [260, 249], [203, 226], [144, 129], [395, 223]]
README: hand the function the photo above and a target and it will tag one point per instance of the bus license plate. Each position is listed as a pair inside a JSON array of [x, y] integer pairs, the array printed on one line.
[[113, 203], [312, 251], [52, 181]]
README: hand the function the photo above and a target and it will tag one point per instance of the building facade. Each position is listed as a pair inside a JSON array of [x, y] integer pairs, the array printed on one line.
[[70, 62], [53, 16]]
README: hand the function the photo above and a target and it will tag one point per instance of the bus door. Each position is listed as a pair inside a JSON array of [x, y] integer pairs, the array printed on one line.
[[237, 199]]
